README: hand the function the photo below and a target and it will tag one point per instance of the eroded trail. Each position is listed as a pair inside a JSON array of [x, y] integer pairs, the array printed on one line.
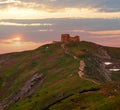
[[66, 50], [29, 87], [81, 67], [81, 72]]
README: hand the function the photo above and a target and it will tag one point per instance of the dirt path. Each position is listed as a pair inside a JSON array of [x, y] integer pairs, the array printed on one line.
[[81, 72], [68, 52], [81, 67]]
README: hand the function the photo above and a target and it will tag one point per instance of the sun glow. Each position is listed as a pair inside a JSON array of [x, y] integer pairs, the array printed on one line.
[[17, 39], [17, 43]]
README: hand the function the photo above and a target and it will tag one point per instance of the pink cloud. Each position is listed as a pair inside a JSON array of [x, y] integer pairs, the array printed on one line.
[[110, 43]]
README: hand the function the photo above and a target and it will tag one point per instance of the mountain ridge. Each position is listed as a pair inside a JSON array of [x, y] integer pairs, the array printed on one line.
[[59, 63]]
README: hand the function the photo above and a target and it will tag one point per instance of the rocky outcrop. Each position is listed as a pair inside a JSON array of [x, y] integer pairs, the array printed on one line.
[[81, 69], [67, 38], [104, 56], [105, 72], [81, 72], [28, 89], [103, 53]]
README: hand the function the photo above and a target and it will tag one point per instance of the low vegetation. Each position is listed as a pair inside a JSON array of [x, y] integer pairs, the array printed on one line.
[[62, 88]]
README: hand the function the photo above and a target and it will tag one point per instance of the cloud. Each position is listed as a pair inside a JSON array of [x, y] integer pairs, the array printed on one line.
[[109, 5], [87, 29], [6, 48], [105, 5], [110, 43], [21, 4], [105, 32], [16, 13], [16, 38], [45, 30], [39, 9], [17, 44], [23, 24], [102, 5]]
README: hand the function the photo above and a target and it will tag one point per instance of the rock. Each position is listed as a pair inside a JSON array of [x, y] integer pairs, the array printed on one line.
[[81, 69], [82, 65], [103, 53], [81, 74], [28, 89], [75, 57]]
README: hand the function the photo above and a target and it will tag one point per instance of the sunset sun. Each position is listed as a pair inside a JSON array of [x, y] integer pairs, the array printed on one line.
[[17, 39]]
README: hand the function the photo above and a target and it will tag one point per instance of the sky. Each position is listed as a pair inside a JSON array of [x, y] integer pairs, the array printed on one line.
[[28, 24]]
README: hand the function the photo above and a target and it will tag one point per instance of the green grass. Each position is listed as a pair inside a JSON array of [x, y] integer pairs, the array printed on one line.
[[61, 83], [54, 92], [115, 75], [114, 52], [100, 99]]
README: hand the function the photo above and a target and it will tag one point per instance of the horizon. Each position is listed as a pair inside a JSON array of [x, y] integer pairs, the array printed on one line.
[[26, 25], [35, 47]]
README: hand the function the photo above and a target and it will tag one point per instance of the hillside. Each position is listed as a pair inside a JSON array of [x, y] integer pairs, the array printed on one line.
[[61, 76]]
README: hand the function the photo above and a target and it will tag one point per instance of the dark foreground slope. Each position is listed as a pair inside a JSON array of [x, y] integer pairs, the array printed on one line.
[[47, 78]]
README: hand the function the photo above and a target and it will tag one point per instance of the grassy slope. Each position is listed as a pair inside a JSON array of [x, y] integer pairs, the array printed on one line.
[[89, 53], [115, 54], [107, 98], [58, 69], [60, 72]]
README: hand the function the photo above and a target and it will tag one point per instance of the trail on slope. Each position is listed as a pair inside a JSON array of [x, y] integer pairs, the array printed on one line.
[[81, 72], [29, 87], [81, 67], [66, 50]]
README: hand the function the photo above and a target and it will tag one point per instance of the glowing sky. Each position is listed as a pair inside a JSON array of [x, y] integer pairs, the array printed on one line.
[[27, 24]]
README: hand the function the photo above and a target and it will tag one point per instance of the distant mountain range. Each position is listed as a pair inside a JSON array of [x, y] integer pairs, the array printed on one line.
[[61, 76]]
